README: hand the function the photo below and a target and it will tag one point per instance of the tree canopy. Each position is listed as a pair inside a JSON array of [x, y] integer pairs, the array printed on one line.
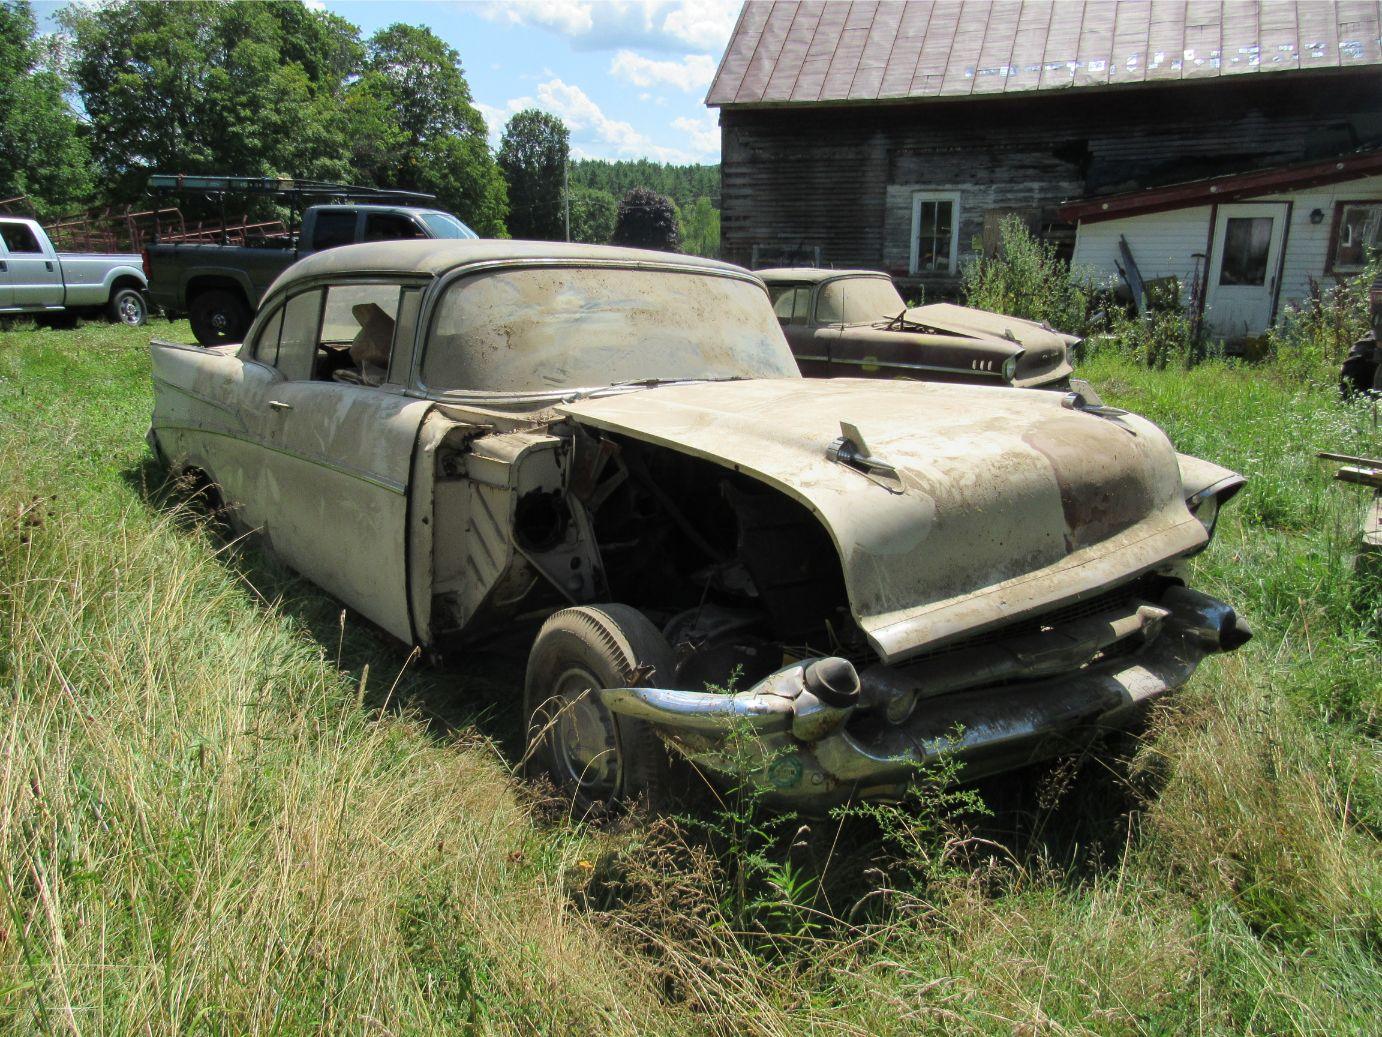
[[42, 154], [682, 184], [278, 89], [533, 156]]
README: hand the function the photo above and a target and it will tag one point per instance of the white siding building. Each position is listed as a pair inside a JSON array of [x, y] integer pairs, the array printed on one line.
[[1245, 246]]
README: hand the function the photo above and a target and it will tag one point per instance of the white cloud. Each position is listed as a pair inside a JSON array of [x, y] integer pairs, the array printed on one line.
[[595, 135], [692, 73], [579, 112], [567, 17], [676, 25], [702, 135], [495, 118], [705, 25]]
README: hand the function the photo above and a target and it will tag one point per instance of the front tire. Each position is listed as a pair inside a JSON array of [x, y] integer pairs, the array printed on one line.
[[219, 316], [128, 306], [597, 759]]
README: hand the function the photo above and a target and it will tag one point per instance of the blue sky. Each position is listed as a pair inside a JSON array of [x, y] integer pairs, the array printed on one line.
[[628, 77]]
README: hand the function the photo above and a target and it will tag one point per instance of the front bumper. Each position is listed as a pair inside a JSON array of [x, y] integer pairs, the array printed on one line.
[[815, 733]]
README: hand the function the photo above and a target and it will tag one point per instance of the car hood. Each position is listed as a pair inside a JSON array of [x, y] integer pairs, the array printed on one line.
[[1046, 352], [1005, 502]]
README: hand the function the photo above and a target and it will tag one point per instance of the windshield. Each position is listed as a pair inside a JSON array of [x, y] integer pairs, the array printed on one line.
[[444, 225], [542, 329], [858, 300]]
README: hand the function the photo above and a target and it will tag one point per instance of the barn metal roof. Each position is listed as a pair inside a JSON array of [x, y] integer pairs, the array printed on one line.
[[801, 52]]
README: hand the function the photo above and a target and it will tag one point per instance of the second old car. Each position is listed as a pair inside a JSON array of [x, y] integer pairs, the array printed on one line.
[[854, 324], [454, 437]]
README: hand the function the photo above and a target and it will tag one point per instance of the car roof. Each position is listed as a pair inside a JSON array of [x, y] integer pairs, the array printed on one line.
[[410, 210], [436, 256], [812, 274]]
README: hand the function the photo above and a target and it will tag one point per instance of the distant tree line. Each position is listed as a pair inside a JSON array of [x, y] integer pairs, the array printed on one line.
[[280, 89]]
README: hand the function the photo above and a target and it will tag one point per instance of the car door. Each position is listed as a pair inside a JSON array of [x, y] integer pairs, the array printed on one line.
[[35, 276], [337, 449], [792, 304], [824, 329]]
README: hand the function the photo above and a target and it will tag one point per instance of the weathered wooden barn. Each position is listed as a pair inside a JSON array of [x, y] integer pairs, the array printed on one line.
[[1233, 144]]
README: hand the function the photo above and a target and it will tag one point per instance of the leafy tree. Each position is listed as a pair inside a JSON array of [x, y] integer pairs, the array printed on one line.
[[206, 87], [593, 214], [42, 153], [700, 228], [647, 220], [440, 145], [533, 156]]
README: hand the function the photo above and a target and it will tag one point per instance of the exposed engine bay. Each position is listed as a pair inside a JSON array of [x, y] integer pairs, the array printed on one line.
[[740, 577]]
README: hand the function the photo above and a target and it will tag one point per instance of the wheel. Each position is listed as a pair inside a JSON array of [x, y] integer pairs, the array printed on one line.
[[598, 760], [128, 306], [219, 316]]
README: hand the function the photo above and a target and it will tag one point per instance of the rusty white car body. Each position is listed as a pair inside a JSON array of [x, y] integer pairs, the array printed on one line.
[[865, 573], [854, 324]]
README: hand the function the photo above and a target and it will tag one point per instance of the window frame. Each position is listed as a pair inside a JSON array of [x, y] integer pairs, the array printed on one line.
[[1336, 230], [357, 223], [23, 228], [918, 199]]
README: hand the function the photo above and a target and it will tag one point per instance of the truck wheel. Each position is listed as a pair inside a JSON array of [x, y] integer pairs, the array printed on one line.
[[596, 759], [127, 306], [218, 316]]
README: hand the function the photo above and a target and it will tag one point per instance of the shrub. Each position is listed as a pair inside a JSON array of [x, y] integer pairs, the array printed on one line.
[[647, 220], [1312, 337], [1026, 279]]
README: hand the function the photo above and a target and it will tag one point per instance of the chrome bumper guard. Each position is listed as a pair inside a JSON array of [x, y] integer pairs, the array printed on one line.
[[817, 732]]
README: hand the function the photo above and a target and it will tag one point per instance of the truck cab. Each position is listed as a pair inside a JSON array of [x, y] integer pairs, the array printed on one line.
[[37, 280], [218, 286]]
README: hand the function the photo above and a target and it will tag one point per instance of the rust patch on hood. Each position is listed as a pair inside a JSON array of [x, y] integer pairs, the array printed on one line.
[[1103, 492]]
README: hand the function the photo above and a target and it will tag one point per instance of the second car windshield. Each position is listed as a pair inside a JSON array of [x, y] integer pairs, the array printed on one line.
[[545, 329], [858, 300]]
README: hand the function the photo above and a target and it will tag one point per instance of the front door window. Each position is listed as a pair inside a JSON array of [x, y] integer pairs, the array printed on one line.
[[1247, 246]]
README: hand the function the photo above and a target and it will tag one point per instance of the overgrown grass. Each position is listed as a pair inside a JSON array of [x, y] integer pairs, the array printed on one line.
[[225, 809]]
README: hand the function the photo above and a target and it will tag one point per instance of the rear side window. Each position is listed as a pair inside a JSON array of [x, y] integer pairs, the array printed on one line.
[[333, 227], [792, 304], [19, 238], [386, 226]]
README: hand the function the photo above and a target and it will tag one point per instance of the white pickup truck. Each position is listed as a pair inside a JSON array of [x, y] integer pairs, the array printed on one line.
[[56, 289]]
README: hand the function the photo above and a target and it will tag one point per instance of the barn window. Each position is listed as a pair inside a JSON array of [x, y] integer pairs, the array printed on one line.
[[1359, 233], [935, 231]]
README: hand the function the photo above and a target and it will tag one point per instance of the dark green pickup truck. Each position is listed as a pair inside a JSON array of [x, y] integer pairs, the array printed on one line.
[[219, 286]]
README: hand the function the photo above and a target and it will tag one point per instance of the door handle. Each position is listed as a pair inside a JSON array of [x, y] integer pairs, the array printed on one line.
[[280, 405], [3, 267], [48, 263]]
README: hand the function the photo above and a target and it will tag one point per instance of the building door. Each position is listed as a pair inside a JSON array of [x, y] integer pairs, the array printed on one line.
[[1244, 266]]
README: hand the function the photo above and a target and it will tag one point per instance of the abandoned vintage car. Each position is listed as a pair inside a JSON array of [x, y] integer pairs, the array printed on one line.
[[454, 436], [854, 324]]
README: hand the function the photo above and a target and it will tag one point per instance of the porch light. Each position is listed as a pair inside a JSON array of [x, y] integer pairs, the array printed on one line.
[[1316, 216]]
